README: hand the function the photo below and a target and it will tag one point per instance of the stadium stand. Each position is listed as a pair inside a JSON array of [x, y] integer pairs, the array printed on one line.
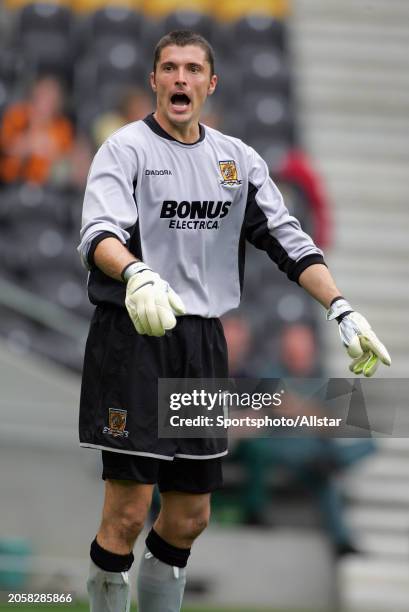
[[31, 319], [100, 50], [43, 36]]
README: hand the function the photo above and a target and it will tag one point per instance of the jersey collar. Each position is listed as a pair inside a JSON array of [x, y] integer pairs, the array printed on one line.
[[155, 127]]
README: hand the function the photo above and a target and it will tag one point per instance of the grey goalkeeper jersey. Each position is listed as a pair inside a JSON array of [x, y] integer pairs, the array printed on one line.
[[187, 211]]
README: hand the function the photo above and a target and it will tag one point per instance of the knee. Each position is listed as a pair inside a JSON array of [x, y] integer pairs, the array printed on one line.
[[131, 524], [125, 525], [196, 525], [188, 528]]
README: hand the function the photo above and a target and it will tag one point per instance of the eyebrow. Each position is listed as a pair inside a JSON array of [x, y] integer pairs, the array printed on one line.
[[172, 63]]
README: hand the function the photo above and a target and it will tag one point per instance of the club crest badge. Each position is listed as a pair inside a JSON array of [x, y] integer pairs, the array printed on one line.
[[117, 423], [228, 170]]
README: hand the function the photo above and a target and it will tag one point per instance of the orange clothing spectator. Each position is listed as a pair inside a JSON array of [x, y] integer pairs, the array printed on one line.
[[34, 135]]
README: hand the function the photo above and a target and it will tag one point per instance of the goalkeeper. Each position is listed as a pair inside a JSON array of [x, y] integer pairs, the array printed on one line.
[[168, 207]]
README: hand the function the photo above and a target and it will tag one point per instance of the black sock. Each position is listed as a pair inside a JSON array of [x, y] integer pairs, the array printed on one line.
[[109, 561], [172, 555]]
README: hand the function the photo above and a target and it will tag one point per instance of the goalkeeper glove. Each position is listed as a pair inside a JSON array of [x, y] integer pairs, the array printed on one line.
[[359, 339], [151, 303]]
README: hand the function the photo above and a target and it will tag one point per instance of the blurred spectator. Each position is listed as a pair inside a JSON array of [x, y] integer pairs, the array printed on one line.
[[211, 115], [298, 353], [239, 340], [296, 168], [311, 462], [81, 158], [35, 135], [135, 104]]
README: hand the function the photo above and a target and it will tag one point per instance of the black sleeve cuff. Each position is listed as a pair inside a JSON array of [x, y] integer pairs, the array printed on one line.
[[303, 264], [95, 243]]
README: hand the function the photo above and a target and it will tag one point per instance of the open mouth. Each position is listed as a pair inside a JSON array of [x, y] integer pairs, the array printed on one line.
[[180, 101]]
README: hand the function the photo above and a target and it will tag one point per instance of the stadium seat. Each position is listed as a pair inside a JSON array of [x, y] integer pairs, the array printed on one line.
[[120, 68], [189, 20], [43, 33], [110, 56], [264, 70], [14, 260], [58, 348], [117, 22], [47, 52], [45, 17], [297, 205], [262, 30], [11, 66], [100, 80], [271, 149], [73, 200], [18, 333], [267, 116], [5, 94], [26, 204], [23, 335], [87, 113], [19, 4], [84, 81], [63, 289], [89, 6], [230, 10], [283, 302], [45, 248], [160, 8]]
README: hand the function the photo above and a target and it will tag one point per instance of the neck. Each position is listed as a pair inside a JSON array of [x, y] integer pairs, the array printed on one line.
[[187, 134]]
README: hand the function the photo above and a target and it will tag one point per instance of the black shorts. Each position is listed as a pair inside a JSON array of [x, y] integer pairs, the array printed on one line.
[[119, 383], [187, 475]]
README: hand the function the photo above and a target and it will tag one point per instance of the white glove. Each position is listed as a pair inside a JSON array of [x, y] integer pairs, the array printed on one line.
[[151, 303], [360, 341]]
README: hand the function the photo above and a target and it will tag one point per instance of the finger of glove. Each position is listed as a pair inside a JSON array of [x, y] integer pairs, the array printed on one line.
[[370, 341], [176, 303], [168, 319], [134, 316], [357, 365], [139, 327], [143, 319], [154, 320], [164, 310], [366, 365], [371, 365], [355, 349]]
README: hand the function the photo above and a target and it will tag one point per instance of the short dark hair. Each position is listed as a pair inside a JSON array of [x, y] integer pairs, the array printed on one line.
[[182, 38]]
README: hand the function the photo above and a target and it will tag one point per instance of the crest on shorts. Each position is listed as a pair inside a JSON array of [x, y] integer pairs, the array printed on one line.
[[228, 170], [116, 423]]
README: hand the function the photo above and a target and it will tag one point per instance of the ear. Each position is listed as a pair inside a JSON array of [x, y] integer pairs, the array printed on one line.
[[212, 85], [152, 81]]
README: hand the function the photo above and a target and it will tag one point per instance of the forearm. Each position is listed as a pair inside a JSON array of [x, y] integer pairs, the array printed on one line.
[[111, 256], [317, 280]]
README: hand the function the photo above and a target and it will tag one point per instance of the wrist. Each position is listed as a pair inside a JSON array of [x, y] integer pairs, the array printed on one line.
[[134, 267], [339, 308]]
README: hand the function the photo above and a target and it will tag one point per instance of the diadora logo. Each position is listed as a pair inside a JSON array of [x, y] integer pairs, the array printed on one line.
[[194, 215], [158, 172], [228, 170]]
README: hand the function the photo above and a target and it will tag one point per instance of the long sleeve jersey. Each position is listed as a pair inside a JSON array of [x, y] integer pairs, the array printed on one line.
[[186, 210]]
